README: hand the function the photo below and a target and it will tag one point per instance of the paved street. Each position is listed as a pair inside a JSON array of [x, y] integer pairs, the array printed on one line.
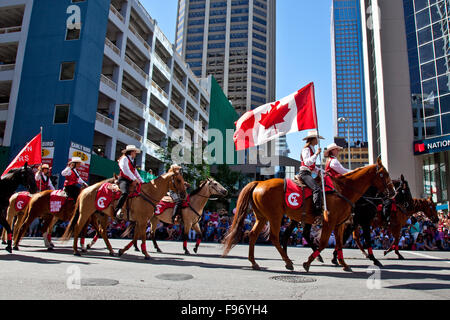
[[34, 273]]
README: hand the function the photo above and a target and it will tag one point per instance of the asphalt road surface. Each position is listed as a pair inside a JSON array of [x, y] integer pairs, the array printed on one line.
[[35, 273]]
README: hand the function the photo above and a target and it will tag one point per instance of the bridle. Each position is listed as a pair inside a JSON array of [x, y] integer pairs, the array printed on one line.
[[385, 184]]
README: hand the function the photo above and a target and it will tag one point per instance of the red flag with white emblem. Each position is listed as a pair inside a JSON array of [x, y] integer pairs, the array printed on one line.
[[294, 113], [30, 154]]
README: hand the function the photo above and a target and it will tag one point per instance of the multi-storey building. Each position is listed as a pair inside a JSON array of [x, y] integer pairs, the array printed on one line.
[[234, 40], [406, 59], [98, 74], [348, 72]]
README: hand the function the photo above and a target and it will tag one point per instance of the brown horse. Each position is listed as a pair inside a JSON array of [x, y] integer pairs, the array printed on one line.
[[39, 207], [398, 220], [141, 208], [191, 215], [12, 213], [267, 199]]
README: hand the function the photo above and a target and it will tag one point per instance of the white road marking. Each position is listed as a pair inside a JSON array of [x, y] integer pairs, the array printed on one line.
[[426, 256]]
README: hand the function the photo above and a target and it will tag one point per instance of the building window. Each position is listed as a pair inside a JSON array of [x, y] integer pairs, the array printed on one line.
[[67, 71], [61, 114], [73, 34]]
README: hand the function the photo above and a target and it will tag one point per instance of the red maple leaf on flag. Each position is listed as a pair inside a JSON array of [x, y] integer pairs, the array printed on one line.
[[274, 116]]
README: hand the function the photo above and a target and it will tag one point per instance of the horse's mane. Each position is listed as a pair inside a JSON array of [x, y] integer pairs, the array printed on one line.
[[10, 174], [196, 191]]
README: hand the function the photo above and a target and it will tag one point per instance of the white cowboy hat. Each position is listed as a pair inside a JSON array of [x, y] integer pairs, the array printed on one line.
[[131, 148], [331, 147], [45, 166], [313, 134], [76, 159]]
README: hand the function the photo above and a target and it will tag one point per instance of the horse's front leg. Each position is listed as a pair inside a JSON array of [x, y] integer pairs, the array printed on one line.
[[339, 236], [199, 236], [287, 234], [310, 241], [9, 234], [368, 242], [186, 230]]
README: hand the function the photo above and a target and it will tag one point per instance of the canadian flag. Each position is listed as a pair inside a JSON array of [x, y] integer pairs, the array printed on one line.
[[30, 154], [293, 113]]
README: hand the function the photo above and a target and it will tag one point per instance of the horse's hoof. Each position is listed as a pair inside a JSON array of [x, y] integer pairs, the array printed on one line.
[[195, 249], [186, 252], [256, 267], [306, 266], [290, 267], [158, 250], [348, 269], [137, 250], [77, 254], [400, 257], [320, 259], [52, 245], [84, 250], [16, 248], [50, 249], [335, 262], [112, 254], [9, 249], [120, 252], [88, 247], [385, 253], [377, 263], [4, 242], [147, 258]]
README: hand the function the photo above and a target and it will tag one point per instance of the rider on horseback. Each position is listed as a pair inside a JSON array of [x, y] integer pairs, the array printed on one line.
[[128, 176], [308, 166], [73, 179], [333, 167], [42, 178]]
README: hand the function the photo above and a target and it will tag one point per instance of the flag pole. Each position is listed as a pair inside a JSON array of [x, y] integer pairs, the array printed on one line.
[[40, 173], [320, 157]]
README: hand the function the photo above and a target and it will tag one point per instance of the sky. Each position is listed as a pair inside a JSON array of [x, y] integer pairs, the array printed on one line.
[[303, 55]]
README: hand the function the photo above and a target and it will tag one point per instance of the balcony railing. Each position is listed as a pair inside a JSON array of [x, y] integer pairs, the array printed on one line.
[[136, 67], [153, 145], [179, 82], [158, 88], [204, 109], [163, 64], [108, 82], [4, 106], [133, 99], [157, 117], [105, 120], [134, 31], [5, 67], [172, 128], [189, 118], [130, 133], [112, 46], [145, 11], [177, 106], [117, 13], [192, 96], [10, 29]]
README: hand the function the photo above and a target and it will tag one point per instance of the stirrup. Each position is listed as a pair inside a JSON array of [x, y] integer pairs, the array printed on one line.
[[119, 214]]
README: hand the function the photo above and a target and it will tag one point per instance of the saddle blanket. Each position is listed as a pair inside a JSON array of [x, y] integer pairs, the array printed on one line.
[[295, 196], [164, 205], [57, 200], [105, 195], [22, 200]]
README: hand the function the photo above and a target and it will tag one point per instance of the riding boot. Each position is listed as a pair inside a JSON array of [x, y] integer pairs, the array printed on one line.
[[317, 200], [175, 211], [386, 209], [118, 209], [9, 246]]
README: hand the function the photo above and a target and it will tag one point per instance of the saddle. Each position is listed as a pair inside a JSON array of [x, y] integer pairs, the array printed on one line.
[[22, 200], [296, 191], [57, 200], [168, 203]]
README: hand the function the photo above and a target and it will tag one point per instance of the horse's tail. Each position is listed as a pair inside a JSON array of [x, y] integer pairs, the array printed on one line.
[[71, 227], [235, 233]]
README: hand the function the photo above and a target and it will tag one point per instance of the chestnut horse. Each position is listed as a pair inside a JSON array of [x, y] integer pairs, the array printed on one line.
[[191, 215], [267, 199], [8, 185], [141, 208], [12, 213]]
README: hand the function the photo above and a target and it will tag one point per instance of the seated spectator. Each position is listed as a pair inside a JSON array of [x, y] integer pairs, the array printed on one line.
[[429, 242], [420, 243]]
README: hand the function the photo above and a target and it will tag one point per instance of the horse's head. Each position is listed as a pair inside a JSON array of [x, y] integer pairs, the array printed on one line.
[[177, 183], [23, 176], [382, 181], [403, 193], [215, 188], [429, 209]]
